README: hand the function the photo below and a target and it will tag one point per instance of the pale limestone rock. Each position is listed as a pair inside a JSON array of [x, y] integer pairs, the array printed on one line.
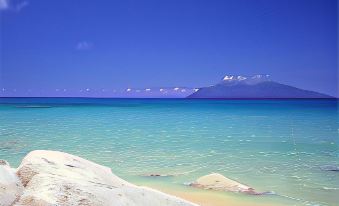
[[219, 182], [10, 185], [56, 178]]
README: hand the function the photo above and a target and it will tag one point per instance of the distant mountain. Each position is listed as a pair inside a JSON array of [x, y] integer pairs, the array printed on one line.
[[258, 86]]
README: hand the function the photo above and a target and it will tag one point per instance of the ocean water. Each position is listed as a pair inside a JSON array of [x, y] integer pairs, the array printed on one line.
[[282, 146]]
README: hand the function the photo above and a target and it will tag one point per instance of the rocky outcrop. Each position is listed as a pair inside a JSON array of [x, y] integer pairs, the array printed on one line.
[[219, 182], [56, 178], [332, 168], [10, 185]]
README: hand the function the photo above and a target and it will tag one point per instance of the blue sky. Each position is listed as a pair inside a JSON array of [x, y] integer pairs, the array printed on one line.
[[108, 44]]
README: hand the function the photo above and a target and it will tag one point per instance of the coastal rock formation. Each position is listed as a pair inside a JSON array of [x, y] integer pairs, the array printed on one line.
[[56, 178], [219, 182], [332, 168], [10, 185], [167, 174], [157, 175]]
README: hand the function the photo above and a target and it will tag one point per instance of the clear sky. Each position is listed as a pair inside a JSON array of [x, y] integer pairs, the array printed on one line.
[[116, 44]]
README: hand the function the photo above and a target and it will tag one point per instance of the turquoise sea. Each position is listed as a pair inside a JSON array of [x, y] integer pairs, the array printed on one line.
[[285, 146]]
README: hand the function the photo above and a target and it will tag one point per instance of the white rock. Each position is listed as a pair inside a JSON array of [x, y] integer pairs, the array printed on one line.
[[56, 178], [10, 185], [219, 182]]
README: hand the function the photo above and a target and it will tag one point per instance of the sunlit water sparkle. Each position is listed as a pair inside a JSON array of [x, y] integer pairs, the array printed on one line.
[[271, 145]]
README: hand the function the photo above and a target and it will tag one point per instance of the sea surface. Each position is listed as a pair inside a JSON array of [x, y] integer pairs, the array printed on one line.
[[287, 147]]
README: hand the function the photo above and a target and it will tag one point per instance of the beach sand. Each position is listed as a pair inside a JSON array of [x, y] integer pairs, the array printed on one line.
[[215, 198]]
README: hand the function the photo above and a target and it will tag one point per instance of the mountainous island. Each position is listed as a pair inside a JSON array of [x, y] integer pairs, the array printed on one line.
[[258, 86]]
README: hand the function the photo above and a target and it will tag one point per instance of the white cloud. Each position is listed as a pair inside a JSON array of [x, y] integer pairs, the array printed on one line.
[[8, 5], [84, 45], [21, 5], [4, 4]]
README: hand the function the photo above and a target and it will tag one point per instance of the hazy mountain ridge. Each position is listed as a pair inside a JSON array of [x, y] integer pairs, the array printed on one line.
[[258, 86]]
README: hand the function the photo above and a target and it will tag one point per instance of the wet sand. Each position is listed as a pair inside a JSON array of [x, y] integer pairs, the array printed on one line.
[[215, 198]]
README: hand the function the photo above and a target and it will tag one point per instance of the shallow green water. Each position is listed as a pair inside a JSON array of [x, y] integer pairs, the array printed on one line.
[[271, 145]]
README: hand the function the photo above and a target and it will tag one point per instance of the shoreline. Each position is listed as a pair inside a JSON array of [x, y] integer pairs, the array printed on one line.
[[205, 197], [37, 182], [77, 171]]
